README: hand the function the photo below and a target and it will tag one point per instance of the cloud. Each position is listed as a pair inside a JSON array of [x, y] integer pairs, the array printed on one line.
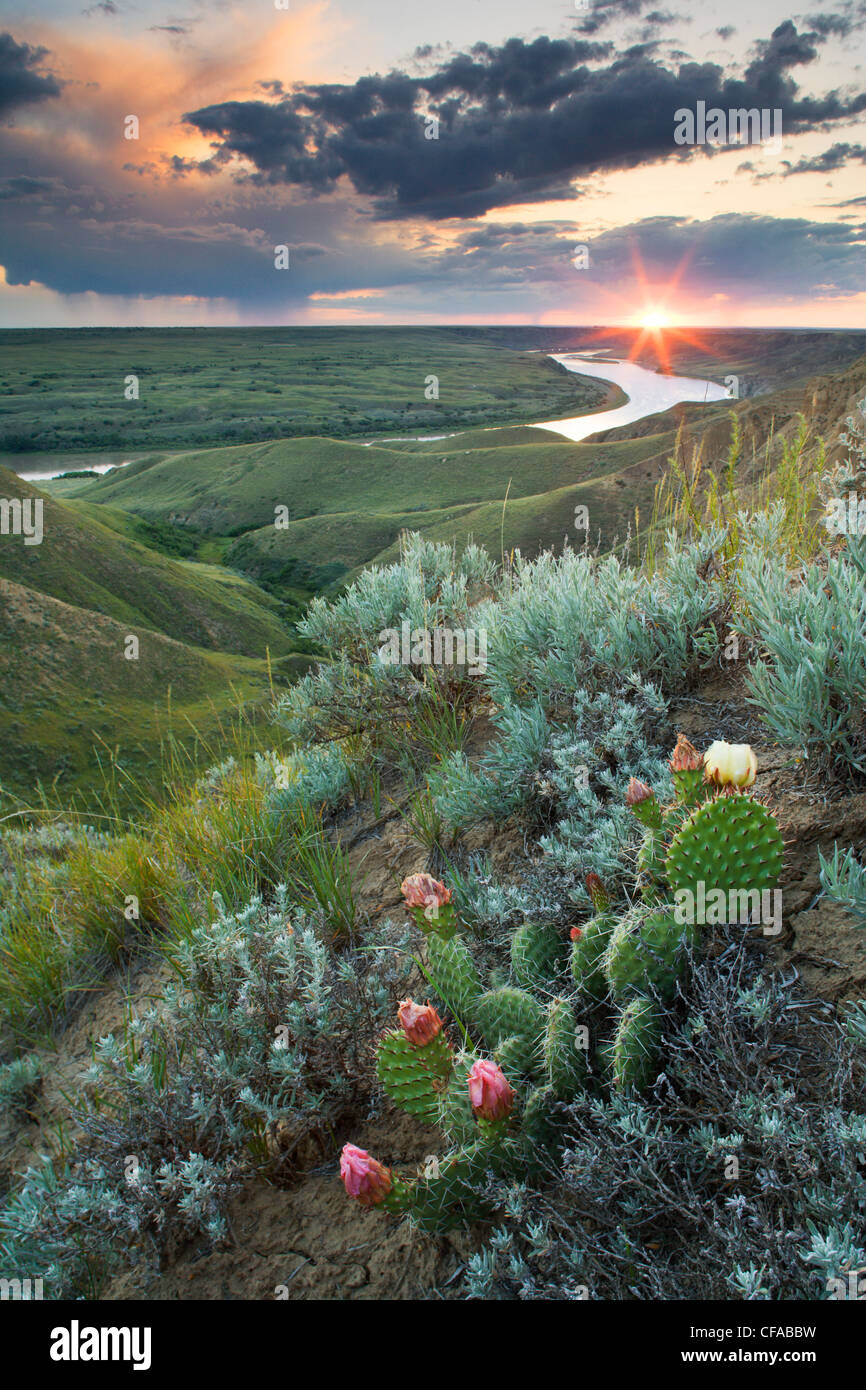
[[20, 85], [516, 123], [838, 25], [747, 257], [827, 162]]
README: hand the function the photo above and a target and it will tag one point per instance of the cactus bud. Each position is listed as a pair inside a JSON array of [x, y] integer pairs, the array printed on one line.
[[489, 1093], [637, 792], [730, 764], [596, 890], [575, 934], [642, 800], [429, 901], [420, 1022], [687, 769], [685, 757], [363, 1177]]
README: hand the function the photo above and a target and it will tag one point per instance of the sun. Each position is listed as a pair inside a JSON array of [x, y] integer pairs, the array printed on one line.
[[654, 320]]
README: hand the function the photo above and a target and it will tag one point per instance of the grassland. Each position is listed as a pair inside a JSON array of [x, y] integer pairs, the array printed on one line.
[[88, 558], [64, 390]]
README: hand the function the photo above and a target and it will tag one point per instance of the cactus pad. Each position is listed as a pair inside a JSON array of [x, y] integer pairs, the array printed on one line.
[[413, 1076], [534, 950], [503, 1013], [518, 1057], [454, 976], [455, 1117], [731, 843], [645, 951], [634, 1051], [586, 955], [564, 1061]]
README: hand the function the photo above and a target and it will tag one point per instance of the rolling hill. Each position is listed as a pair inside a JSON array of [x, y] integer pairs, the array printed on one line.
[[67, 607], [87, 559]]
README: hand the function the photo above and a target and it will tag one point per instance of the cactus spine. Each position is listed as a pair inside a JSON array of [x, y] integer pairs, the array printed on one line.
[[534, 950], [645, 951], [564, 1061], [730, 843]]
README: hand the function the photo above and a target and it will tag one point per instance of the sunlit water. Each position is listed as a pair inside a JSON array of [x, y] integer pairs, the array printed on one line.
[[648, 393]]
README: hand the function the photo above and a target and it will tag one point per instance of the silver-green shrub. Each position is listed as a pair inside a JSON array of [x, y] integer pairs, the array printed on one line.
[[261, 1043]]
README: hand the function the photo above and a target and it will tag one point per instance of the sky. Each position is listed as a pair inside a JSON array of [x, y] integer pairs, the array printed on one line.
[[468, 161]]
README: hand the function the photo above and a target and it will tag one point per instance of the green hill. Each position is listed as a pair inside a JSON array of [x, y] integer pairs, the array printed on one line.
[[230, 491], [67, 607], [88, 558], [66, 688]]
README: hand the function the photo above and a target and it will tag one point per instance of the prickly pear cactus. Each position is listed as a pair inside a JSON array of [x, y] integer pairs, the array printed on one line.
[[645, 951], [538, 1128], [564, 1061], [534, 951], [729, 842], [633, 1055], [587, 952], [448, 1191], [414, 1076], [454, 975], [518, 1056], [454, 1113], [508, 1012]]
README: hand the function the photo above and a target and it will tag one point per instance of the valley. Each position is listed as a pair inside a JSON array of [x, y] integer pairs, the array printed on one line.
[[211, 554]]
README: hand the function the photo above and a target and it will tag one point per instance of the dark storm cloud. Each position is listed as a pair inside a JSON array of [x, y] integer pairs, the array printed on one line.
[[836, 157], [23, 186], [20, 85], [605, 12], [748, 256], [516, 123]]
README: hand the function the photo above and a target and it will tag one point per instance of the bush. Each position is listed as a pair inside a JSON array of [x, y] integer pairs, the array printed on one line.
[[258, 1047], [811, 686]]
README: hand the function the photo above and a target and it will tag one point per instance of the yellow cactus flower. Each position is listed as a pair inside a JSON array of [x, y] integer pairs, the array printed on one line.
[[730, 764]]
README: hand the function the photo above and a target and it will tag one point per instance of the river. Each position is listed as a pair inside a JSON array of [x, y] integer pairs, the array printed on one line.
[[648, 393]]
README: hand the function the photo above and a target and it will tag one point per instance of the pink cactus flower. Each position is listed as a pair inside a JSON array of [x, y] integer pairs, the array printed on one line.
[[420, 1022], [491, 1096], [425, 892], [575, 933], [363, 1177]]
